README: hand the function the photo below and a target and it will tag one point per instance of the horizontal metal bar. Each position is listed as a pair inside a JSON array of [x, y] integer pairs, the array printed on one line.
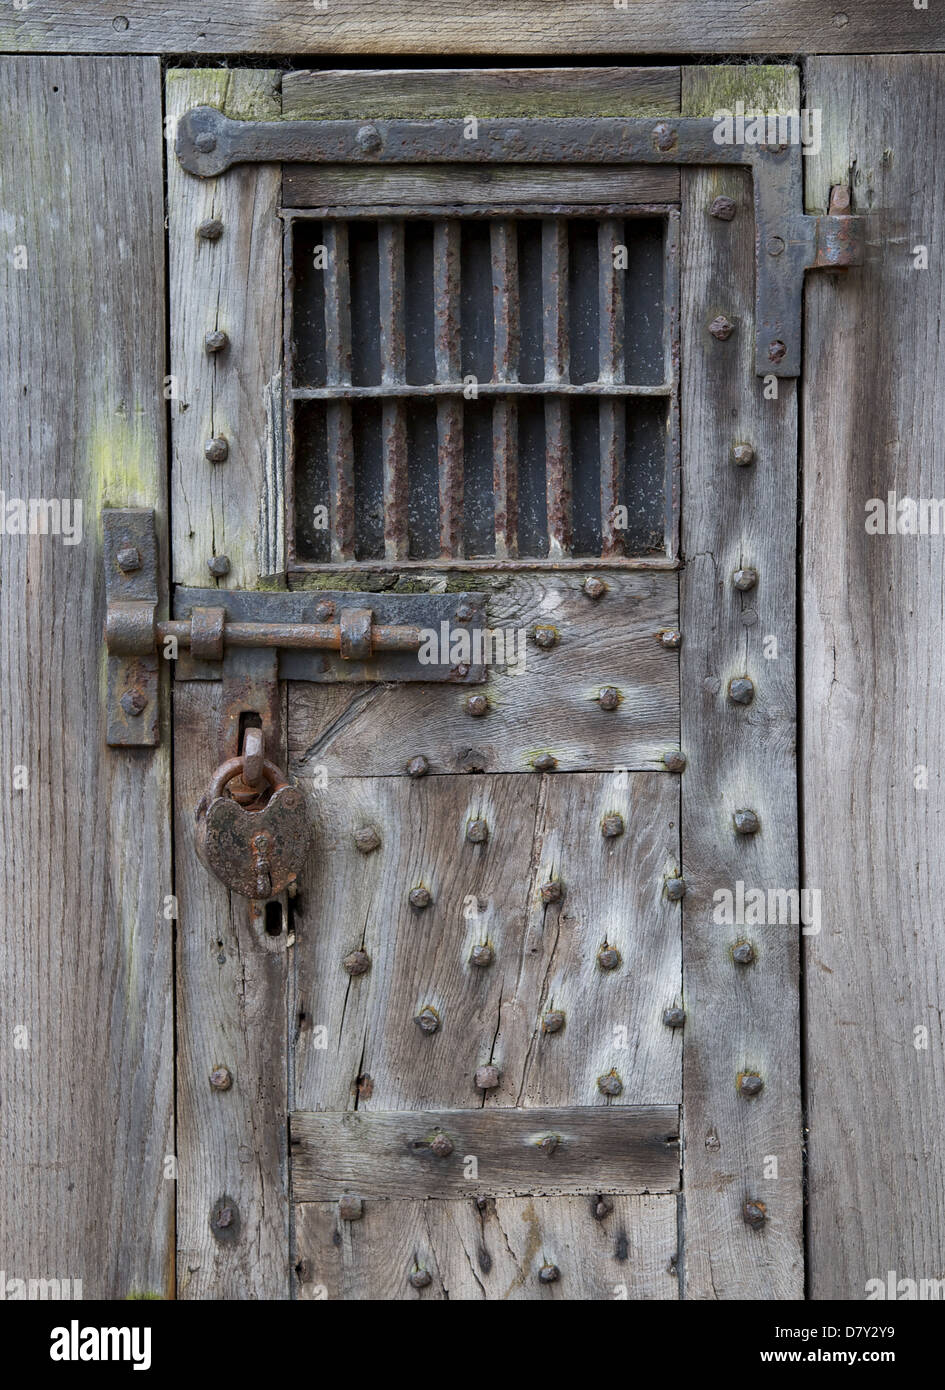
[[588, 564], [482, 388], [296, 636]]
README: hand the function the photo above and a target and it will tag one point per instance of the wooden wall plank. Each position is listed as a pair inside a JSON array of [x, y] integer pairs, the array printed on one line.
[[232, 981], [873, 700], [740, 1018], [495, 92], [357, 1041], [549, 707], [615, 1248], [516, 27], [378, 1154], [233, 284], [86, 1123]]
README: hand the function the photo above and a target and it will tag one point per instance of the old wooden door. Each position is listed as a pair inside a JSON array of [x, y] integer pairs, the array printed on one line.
[[503, 1042]]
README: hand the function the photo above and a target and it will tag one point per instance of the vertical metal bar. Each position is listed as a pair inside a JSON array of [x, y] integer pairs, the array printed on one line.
[[288, 403], [612, 253], [449, 410], [393, 353], [338, 432], [554, 282], [505, 311]]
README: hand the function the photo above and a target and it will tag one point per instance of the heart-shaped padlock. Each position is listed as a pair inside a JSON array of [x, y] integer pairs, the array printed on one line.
[[257, 853]]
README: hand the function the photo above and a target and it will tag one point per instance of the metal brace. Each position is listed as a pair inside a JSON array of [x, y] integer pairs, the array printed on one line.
[[788, 242]]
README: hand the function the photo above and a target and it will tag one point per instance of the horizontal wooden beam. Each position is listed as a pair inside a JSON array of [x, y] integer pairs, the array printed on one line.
[[494, 27], [567, 1150], [495, 92]]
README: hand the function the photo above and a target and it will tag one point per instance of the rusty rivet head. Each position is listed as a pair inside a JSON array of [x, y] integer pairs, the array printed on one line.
[[746, 822], [477, 706], [487, 1078], [367, 839], [674, 760], [594, 587], [216, 340], [776, 351], [721, 328], [206, 141], [741, 691], [553, 1021], [482, 955], [324, 611], [552, 891], [350, 1208], [369, 139], [465, 612], [664, 136], [608, 958], [441, 1145], [670, 638], [743, 455], [750, 1084], [129, 559], [610, 1085], [745, 579], [427, 1020], [612, 825], [675, 888], [420, 1278], [477, 832], [357, 963], [211, 230], [548, 1143], [754, 1214], [546, 637], [743, 953], [418, 766], [601, 1207], [549, 1274], [723, 208], [223, 1217], [674, 1018], [609, 697], [775, 245], [134, 702], [219, 565], [419, 897], [216, 450], [221, 1078], [545, 762]]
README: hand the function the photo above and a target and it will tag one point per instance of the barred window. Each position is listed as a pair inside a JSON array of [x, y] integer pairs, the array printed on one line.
[[482, 389]]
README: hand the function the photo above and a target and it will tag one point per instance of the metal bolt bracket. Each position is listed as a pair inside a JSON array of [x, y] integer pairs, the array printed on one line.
[[131, 593], [208, 143]]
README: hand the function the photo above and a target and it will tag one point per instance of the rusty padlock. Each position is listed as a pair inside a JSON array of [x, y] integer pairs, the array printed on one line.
[[255, 852]]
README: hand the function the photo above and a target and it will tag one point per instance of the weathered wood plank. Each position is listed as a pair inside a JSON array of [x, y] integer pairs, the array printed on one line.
[[86, 1070], [873, 700], [535, 27], [236, 394], [550, 707], [483, 93], [604, 1248], [554, 1151], [544, 1010], [741, 1018], [331, 185], [232, 976]]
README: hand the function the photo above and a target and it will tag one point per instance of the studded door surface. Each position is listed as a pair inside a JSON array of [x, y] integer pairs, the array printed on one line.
[[504, 951]]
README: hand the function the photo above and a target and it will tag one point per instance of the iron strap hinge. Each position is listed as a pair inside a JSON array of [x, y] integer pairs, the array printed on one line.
[[250, 639], [788, 242]]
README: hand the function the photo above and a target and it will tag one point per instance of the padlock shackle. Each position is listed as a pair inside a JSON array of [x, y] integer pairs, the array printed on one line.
[[233, 767]]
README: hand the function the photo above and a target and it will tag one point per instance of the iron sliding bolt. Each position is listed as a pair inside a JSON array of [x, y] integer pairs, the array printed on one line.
[[131, 631]]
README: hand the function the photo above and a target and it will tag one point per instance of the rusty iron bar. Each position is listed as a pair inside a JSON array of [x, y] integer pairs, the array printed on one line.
[[448, 364], [393, 352], [338, 425], [611, 369], [554, 293], [505, 312], [295, 636], [404, 390]]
